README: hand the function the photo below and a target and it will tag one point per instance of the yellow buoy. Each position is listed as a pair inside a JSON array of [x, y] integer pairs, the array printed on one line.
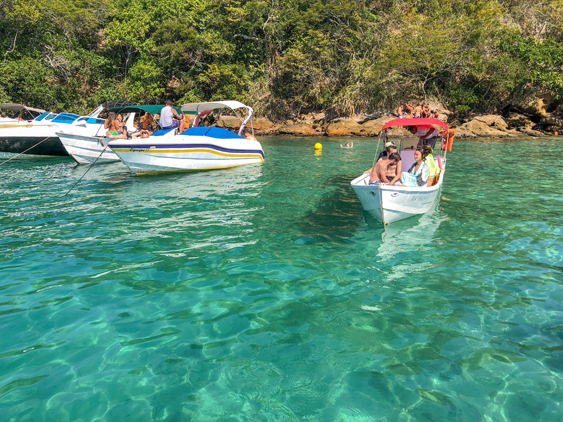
[[556, 133], [318, 146]]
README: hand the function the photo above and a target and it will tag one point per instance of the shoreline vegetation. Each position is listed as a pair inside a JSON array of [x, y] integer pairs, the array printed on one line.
[[308, 68]]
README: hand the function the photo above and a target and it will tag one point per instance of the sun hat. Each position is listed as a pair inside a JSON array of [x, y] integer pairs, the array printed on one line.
[[388, 144]]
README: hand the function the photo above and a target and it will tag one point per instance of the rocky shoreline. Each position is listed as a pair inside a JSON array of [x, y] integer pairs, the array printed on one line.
[[534, 121]]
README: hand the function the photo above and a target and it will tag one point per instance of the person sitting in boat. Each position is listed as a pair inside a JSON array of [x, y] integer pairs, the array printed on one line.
[[118, 135], [248, 135], [144, 134], [112, 125], [386, 171], [389, 148], [417, 176], [170, 119], [426, 111], [120, 122], [148, 123], [426, 134], [433, 169], [348, 145]]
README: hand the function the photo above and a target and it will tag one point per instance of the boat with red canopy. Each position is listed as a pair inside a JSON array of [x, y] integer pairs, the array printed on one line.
[[390, 203]]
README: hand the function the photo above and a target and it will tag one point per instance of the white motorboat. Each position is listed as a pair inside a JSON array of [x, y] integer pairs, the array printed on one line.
[[89, 149], [38, 138], [393, 203], [19, 113], [198, 148]]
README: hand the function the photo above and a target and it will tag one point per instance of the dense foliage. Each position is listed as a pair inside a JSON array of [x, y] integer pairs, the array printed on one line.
[[283, 57]]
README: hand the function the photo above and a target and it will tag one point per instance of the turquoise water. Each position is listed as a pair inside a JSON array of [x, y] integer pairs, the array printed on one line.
[[265, 294]]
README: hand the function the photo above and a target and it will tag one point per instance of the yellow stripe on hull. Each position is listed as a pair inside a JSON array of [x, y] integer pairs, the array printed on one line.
[[176, 151]]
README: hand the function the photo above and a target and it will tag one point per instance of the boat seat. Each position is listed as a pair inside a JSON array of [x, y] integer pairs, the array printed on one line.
[[195, 131], [162, 132], [220, 133], [407, 159], [211, 132]]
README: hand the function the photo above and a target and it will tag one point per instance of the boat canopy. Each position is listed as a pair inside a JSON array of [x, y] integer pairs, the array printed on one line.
[[151, 109], [415, 122], [18, 107], [197, 108]]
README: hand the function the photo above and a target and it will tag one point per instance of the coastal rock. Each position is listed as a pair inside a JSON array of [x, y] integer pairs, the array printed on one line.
[[343, 127], [516, 120], [228, 121], [374, 126], [301, 130], [479, 128], [462, 132], [264, 126], [531, 132], [551, 120], [493, 120]]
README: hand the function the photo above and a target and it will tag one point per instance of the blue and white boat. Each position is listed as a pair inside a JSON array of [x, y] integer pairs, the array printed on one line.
[[39, 137], [87, 148], [198, 148]]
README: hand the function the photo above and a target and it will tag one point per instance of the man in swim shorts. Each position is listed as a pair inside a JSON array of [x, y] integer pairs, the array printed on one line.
[[170, 119], [387, 171]]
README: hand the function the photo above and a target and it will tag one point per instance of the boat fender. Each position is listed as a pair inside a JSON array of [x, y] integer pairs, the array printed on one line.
[[440, 164], [448, 139]]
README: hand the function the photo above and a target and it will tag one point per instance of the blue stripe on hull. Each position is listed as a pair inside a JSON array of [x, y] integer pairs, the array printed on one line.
[[189, 146]]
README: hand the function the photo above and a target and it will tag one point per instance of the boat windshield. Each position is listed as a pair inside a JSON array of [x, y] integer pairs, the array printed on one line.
[[41, 116], [65, 118]]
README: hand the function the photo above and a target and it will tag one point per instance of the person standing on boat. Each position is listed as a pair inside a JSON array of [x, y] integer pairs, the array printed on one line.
[[170, 119], [409, 107], [426, 134], [418, 110]]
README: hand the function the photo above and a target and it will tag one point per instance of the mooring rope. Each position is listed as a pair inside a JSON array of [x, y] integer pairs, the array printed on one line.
[[91, 165], [15, 156]]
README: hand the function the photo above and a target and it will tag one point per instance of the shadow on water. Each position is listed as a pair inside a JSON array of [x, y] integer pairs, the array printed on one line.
[[336, 216]]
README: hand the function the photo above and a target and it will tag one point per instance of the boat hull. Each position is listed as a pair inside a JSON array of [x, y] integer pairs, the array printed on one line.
[[11, 146], [392, 203], [179, 154], [87, 149]]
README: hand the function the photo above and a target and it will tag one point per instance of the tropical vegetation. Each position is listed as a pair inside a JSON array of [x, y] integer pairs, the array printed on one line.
[[283, 57]]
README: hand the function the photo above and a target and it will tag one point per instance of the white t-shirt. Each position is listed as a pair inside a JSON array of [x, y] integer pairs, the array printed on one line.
[[166, 117]]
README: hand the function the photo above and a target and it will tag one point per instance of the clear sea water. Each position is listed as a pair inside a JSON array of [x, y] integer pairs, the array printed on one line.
[[264, 293]]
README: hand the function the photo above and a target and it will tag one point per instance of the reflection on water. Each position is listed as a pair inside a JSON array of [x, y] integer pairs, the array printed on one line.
[[263, 292]]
